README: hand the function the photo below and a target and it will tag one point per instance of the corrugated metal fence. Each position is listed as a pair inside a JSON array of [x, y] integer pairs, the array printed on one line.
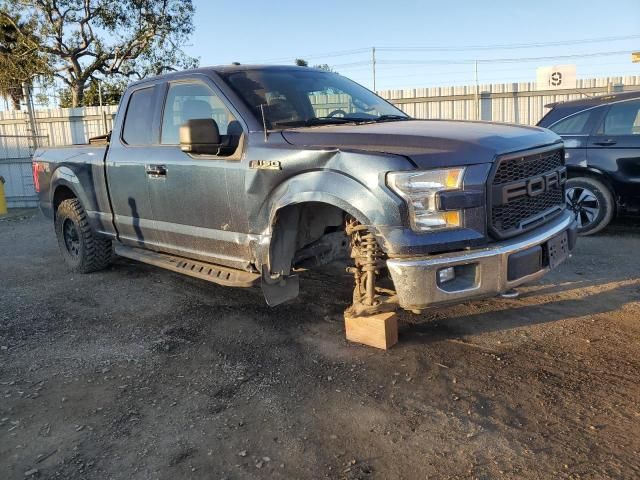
[[59, 126], [15, 168], [504, 102]]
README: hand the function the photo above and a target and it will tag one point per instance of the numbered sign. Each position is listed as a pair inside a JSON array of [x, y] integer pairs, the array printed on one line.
[[556, 77]]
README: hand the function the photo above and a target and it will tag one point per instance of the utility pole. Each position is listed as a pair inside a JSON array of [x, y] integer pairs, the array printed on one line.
[[31, 121], [99, 93], [373, 64], [102, 112]]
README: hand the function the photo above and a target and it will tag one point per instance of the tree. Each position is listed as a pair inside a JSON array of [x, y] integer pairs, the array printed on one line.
[[20, 60], [325, 67], [84, 39], [303, 63], [111, 93]]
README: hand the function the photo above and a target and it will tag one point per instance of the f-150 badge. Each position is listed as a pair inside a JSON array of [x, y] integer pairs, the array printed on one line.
[[265, 164]]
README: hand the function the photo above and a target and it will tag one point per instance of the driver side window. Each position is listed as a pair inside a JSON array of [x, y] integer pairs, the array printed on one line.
[[189, 101]]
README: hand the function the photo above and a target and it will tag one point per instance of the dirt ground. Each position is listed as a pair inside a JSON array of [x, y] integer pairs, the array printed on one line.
[[136, 373]]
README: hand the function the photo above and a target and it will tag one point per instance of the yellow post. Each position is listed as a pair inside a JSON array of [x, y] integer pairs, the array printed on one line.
[[3, 199]]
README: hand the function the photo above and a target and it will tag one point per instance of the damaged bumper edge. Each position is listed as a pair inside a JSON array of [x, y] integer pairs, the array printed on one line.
[[428, 281]]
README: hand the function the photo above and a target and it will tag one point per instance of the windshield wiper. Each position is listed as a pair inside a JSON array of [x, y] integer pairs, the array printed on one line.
[[314, 121], [320, 120], [391, 118]]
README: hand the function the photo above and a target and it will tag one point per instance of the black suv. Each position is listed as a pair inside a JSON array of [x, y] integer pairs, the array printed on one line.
[[602, 151]]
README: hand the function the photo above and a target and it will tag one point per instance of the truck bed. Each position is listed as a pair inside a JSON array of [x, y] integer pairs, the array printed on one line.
[[75, 153]]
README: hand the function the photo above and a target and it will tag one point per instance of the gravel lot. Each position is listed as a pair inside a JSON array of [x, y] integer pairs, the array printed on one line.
[[136, 373]]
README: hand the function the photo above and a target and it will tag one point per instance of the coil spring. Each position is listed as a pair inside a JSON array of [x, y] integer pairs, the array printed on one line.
[[367, 257]]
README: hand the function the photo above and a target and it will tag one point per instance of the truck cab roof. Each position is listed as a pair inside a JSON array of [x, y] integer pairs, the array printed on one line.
[[226, 69]]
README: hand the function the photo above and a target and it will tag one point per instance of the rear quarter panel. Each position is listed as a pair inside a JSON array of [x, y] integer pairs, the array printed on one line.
[[81, 170]]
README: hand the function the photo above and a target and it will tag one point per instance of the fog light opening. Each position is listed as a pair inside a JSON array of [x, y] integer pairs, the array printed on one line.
[[446, 274], [458, 278]]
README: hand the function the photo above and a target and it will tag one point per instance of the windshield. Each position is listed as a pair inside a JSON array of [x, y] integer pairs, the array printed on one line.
[[296, 98]]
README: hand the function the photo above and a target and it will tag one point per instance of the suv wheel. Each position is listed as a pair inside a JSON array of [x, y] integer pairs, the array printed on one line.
[[83, 251], [592, 203]]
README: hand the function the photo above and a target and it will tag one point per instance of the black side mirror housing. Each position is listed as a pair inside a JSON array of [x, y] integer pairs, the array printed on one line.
[[200, 135]]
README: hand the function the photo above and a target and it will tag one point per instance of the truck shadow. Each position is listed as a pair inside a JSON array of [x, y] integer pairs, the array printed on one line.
[[451, 325], [136, 220]]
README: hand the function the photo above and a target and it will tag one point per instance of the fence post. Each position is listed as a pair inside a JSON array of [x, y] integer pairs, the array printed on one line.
[[31, 121], [486, 112]]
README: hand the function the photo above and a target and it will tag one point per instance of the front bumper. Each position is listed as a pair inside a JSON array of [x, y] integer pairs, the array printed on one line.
[[479, 273]]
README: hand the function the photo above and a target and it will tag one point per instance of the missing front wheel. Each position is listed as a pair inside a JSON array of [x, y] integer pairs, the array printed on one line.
[[369, 261]]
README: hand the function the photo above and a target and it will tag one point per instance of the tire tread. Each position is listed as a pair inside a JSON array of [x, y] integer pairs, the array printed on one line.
[[97, 253]]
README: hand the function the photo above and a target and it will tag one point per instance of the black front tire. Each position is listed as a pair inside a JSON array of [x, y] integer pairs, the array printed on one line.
[[592, 203], [83, 251]]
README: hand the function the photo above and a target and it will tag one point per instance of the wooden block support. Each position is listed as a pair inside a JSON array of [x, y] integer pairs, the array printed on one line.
[[380, 330]]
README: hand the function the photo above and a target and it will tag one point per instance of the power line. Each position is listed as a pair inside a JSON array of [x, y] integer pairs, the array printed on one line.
[[499, 60], [461, 48], [340, 53], [508, 46]]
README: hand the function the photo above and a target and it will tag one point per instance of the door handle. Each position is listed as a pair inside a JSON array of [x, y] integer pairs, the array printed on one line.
[[155, 171], [606, 142]]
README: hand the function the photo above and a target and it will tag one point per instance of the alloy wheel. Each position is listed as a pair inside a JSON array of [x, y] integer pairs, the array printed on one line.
[[71, 237], [584, 204]]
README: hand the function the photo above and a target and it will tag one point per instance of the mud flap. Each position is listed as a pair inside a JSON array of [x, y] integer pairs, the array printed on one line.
[[281, 290]]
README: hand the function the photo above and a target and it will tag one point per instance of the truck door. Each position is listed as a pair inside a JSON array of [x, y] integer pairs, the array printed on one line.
[[127, 177], [614, 147], [191, 197]]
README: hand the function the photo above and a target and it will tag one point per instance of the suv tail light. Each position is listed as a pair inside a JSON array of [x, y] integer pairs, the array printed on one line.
[[36, 181]]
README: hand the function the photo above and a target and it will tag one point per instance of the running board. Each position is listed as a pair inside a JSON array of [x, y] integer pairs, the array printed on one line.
[[205, 271]]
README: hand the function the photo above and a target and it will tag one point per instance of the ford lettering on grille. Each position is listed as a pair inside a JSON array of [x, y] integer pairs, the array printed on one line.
[[531, 187], [526, 191]]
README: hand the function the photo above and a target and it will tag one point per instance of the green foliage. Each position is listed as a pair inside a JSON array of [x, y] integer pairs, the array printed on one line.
[[20, 59], [325, 67], [111, 94], [82, 39], [303, 63]]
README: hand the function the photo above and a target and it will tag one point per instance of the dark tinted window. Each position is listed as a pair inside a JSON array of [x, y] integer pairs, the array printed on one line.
[[575, 124], [139, 118], [559, 112], [622, 119]]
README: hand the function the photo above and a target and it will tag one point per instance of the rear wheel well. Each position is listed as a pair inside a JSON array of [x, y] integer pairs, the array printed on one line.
[[306, 235], [599, 176], [61, 194]]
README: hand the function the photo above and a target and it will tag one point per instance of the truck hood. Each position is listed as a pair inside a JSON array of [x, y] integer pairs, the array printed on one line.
[[428, 143]]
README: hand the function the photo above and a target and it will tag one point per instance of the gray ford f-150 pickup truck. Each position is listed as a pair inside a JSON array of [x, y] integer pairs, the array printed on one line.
[[242, 175]]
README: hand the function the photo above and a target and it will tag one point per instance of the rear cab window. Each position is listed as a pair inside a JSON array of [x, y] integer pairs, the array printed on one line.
[[138, 118]]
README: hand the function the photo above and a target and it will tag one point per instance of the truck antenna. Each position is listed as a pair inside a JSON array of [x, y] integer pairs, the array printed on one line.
[[264, 122]]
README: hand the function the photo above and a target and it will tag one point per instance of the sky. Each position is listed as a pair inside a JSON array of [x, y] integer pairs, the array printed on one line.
[[342, 33]]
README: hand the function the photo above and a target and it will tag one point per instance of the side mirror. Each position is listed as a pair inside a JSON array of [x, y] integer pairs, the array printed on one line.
[[200, 136]]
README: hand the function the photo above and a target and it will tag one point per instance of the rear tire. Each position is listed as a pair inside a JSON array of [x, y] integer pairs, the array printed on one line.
[[591, 202], [83, 251]]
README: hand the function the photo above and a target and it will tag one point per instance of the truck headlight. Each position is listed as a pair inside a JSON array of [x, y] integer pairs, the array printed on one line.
[[419, 189]]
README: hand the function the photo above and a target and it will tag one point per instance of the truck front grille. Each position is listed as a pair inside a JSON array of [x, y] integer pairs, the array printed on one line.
[[526, 191]]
